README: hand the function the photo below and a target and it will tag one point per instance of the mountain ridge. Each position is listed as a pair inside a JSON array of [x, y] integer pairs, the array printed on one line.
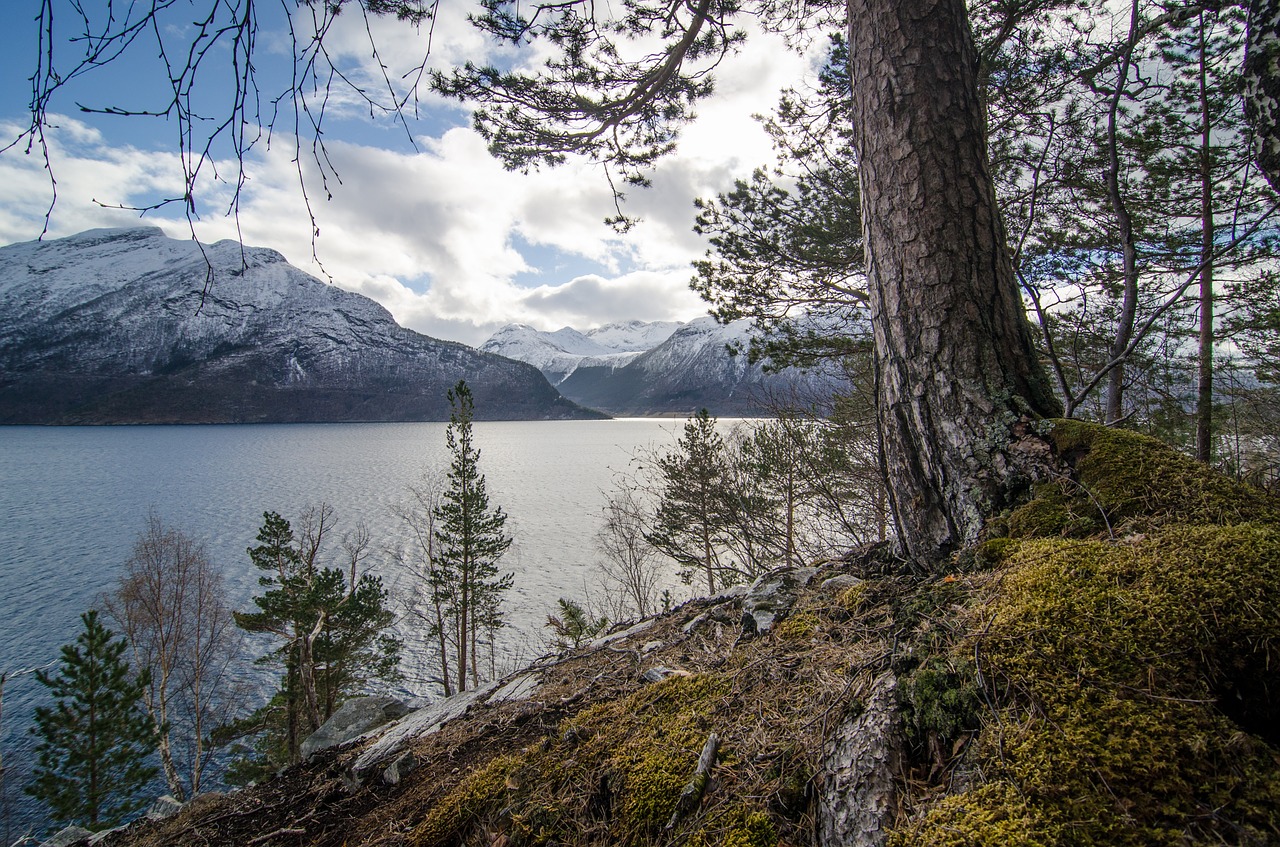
[[129, 326], [679, 371]]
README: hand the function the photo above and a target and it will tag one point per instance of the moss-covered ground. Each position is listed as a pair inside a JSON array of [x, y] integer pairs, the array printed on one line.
[[1130, 655], [1103, 670]]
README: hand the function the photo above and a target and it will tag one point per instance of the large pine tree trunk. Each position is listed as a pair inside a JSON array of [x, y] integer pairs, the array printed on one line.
[[956, 371], [1262, 84]]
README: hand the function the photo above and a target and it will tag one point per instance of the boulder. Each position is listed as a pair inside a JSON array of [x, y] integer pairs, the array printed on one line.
[[67, 836], [771, 597], [353, 719], [163, 807], [399, 769]]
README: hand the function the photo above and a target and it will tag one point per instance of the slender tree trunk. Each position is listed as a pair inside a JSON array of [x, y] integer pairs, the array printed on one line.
[[1204, 388], [706, 554], [464, 610], [307, 673], [957, 375], [1124, 223], [292, 706]]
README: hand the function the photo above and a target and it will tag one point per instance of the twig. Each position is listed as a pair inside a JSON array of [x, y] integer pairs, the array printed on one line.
[[270, 835], [691, 796]]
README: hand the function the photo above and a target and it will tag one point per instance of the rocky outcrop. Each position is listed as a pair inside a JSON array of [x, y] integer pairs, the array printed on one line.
[[353, 719]]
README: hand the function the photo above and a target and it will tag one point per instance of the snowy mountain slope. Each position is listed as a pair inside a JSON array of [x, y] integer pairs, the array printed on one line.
[[687, 367], [117, 326], [558, 354]]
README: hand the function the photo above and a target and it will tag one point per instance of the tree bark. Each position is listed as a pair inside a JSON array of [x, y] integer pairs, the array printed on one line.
[[1204, 365], [1262, 84], [957, 375], [856, 792]]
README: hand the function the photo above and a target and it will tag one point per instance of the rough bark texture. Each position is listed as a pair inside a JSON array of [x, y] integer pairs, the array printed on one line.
[[1262, 84], [957, 374], [856, 800]]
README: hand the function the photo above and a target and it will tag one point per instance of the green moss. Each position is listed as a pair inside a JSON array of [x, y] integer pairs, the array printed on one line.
[[1131, 481], [482, 789], [1141, 704], [990, 815], [851, 598], [639, 751], [737, 826], [754, 829], [1058, 510], [992, 552], [797, 626], [941, 699]]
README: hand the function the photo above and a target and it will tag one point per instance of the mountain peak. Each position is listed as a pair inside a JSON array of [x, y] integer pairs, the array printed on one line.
[[127, 325]]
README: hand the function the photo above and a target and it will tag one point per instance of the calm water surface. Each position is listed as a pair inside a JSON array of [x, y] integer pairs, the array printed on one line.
[[73, 499]]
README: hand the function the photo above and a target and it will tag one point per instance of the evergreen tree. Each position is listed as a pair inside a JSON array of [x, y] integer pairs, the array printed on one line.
[[470, 539], [94, 742], [696, 507], [332, 624]]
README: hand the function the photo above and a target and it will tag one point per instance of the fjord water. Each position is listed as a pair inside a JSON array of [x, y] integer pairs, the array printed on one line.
[[73, 499]]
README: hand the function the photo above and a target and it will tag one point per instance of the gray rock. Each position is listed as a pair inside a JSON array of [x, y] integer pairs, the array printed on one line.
[[67, 836], [163, 807], [353, 719], [841, 582], [660, 673], [520, 687], [392, 740], [771, 597], [630, 631], [399, 769]]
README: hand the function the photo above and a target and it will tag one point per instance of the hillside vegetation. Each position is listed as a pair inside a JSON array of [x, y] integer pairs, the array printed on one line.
[[1102, 672]]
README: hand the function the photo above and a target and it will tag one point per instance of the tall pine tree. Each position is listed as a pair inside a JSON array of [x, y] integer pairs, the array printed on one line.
[[91, 762], [465, 580], [695, 512]]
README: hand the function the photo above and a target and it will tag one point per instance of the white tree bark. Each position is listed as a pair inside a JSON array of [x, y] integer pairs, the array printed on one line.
[[856, 798]]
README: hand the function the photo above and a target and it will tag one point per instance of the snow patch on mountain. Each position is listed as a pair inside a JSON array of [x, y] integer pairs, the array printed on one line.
[[558, 354]]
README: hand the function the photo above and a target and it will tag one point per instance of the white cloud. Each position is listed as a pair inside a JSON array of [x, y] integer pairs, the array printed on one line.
[[433, 234]]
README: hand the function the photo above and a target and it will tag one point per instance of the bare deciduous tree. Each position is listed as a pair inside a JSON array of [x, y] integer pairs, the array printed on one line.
[[416, 557], [170, 604], [632, 568]]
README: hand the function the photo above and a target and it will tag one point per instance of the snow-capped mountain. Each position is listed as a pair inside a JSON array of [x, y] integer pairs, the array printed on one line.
[[119, 325], [667, 371], [558, 354]]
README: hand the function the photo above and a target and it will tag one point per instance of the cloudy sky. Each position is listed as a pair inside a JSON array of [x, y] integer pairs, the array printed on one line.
[[420, 218]]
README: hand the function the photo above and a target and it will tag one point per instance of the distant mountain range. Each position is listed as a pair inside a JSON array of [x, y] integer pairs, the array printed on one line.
[[639, 368], [116, 326]]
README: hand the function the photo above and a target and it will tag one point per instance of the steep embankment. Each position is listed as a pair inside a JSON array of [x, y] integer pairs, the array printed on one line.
[[1103, 673]]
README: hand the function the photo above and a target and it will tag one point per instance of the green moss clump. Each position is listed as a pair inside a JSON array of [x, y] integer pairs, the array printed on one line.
[[737, 826], [851, 598], [1131, 481], [797, 626], [754, 829], [1058, 510], [1142, 702], [480, 790], [641, 749], [942, 701]]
